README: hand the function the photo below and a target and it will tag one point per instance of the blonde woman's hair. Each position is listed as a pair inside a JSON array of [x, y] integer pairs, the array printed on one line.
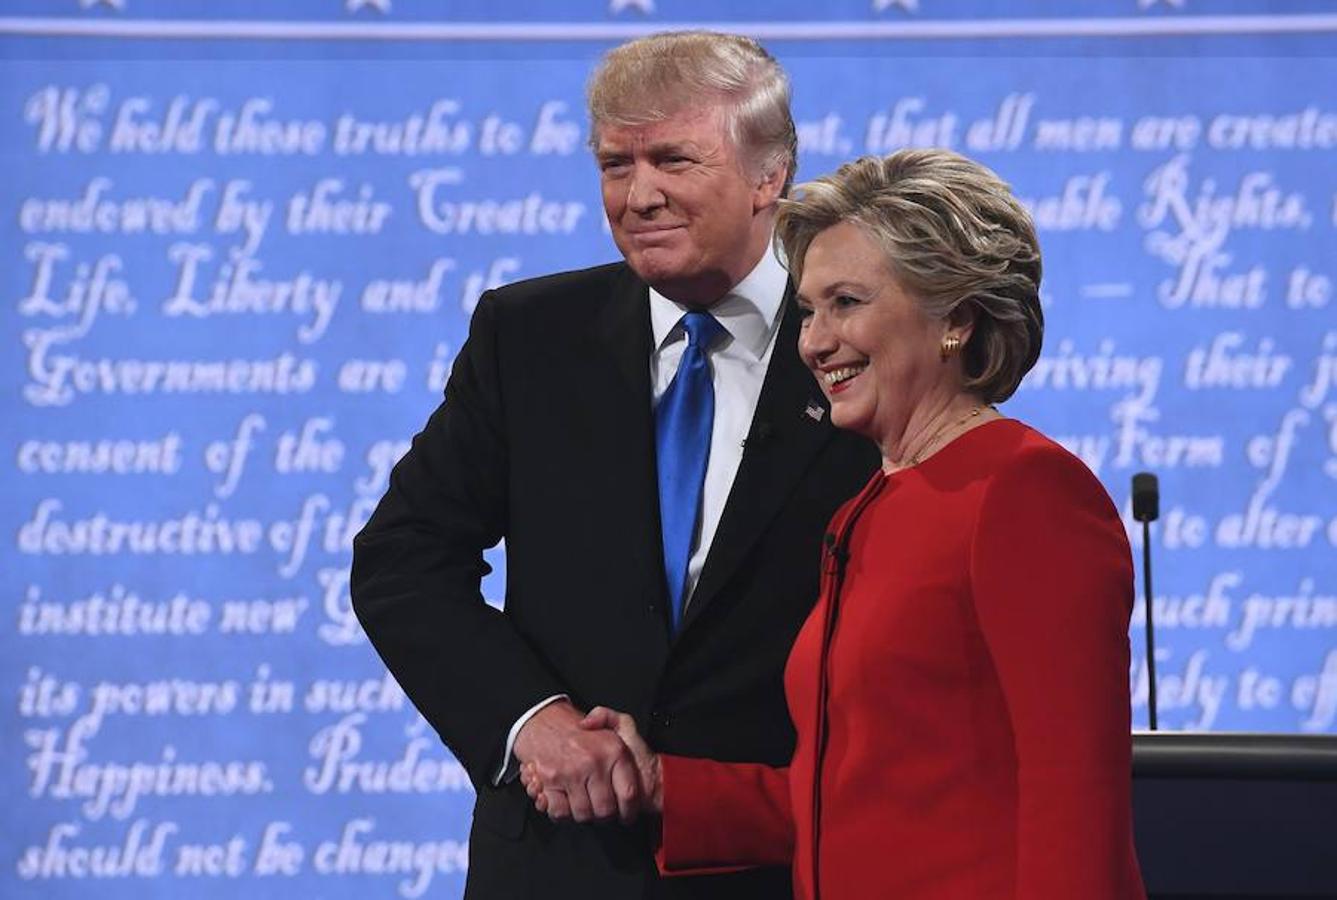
[[955, 239]]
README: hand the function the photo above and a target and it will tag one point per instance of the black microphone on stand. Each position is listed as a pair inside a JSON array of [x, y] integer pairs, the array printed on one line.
[[1146, 509]]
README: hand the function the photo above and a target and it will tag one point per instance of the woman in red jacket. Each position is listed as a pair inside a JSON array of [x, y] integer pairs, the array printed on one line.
[[960, 690]]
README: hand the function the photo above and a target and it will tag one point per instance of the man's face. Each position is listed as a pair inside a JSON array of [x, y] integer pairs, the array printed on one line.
[[684, 210]]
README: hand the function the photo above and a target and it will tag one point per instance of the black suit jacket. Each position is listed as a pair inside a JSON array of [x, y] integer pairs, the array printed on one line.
[[546, 438]]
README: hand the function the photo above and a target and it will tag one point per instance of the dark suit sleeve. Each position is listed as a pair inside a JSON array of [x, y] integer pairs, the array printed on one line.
[[418, 563], [1053, 583]]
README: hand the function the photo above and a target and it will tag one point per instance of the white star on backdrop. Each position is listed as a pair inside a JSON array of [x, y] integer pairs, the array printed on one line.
[[381, 6]]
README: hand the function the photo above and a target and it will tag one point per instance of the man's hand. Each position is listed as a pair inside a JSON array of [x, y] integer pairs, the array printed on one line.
[[586, 774], [601, 719], [647, 761]]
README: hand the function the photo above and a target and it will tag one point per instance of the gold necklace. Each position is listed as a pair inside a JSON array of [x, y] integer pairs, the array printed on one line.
[[918, 456]]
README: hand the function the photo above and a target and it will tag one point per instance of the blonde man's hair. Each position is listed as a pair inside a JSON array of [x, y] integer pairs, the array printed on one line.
[[655, 77], [954, 236]]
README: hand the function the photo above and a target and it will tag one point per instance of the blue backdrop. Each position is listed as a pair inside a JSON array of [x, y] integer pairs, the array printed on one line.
[[241, 243]]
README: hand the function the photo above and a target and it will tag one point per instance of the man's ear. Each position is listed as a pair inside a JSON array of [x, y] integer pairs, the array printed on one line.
[[770, 183]]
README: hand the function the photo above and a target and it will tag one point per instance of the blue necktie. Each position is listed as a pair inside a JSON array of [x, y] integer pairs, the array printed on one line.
[[683, 420]]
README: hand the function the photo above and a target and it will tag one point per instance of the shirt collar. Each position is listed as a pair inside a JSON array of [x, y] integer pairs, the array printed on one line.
[[750, 311]]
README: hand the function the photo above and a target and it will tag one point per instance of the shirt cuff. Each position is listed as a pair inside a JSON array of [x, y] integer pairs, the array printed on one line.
[[510, 766]]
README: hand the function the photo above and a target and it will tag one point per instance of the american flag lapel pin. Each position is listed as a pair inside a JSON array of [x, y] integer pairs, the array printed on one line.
[[814, 411]]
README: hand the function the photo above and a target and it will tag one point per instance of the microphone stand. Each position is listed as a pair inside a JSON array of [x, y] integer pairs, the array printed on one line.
[[1146, 509]]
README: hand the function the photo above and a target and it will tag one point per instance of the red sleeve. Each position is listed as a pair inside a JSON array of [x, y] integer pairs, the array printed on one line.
[[719, 816], [1052, 578]]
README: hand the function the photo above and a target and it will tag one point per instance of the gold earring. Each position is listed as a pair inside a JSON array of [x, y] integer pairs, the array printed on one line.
[[950, 345]]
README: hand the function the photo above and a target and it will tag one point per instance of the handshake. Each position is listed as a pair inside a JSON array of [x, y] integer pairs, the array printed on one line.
[[594, 768]]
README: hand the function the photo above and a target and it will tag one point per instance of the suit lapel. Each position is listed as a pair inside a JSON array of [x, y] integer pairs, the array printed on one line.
[[624, 432], [789, 427], [623, 333]]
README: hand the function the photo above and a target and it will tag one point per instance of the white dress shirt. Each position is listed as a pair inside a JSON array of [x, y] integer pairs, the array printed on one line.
[[750, 314]]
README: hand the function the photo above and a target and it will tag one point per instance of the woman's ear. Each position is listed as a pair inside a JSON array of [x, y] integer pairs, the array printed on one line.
[[961, 322]]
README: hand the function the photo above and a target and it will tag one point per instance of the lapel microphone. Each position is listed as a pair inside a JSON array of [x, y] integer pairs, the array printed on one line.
[[762, 433]]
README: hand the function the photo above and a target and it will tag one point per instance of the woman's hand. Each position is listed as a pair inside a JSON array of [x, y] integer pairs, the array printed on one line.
[[650, 788]]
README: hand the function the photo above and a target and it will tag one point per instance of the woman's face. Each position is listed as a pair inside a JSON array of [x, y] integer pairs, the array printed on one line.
[[875, 354]]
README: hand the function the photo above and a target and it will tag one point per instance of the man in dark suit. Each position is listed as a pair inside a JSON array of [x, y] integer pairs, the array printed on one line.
[[660, 464]]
